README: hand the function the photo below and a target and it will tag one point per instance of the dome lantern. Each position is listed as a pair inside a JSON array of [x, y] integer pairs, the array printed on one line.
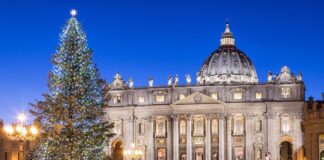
[[227, 37]]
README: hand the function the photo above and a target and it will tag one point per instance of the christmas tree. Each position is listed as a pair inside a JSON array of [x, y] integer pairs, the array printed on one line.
[[71, 116]]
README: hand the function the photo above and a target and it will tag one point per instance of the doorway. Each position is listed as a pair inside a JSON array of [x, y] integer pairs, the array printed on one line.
[[286, 151], [322, 155], [199, 153], [161, 154], [118, 150]]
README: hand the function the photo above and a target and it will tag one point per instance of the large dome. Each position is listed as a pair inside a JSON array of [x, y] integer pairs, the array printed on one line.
[[227, 64]]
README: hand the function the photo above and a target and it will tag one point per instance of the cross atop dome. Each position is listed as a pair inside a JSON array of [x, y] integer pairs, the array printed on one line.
[[227, 37], [227, 29]]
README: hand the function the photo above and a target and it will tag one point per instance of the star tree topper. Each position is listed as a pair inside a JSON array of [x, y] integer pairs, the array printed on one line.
[[73, 12]]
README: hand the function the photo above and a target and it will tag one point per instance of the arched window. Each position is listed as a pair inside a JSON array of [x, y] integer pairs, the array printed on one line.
[[182, 127], [321, 146], [238, 125], [285, 124], [214, 126], [117, 150]]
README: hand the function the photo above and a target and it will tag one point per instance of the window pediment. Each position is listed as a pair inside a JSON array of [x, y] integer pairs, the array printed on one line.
[[197, 98]]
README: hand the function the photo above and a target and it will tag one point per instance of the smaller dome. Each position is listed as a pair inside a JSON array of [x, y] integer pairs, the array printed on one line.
[[227, 64]]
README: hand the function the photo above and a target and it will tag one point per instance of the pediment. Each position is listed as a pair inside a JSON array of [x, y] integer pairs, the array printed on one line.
[[197, 98]]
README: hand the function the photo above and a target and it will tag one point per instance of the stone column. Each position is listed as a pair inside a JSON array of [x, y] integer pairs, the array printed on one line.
[[229, 136], [221, 142], [298, 138], [273, 131], [169, 138], [149, 138], [129, 129], [189, 138], [175, 138], [249, 136], [208, 138]]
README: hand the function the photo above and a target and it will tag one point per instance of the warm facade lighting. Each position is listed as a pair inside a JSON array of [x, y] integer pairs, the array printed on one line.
[[20, 131]]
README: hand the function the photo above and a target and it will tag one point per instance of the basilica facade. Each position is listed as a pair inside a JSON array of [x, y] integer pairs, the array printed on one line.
[[226, 113]]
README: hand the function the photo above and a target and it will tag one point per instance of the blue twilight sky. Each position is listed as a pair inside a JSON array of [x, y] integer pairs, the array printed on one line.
[[156, 38]]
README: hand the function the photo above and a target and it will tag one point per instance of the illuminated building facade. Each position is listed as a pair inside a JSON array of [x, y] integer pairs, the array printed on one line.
[[313, 127], [226, 114]]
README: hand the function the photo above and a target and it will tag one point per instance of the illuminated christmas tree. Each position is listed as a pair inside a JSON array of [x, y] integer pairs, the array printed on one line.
[[71, 116]]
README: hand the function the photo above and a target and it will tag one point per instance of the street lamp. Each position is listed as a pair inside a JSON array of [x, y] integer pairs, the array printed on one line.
[[133, 153], [20, 131]]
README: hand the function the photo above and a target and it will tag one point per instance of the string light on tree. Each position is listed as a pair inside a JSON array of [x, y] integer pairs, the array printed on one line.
[[70, 117]]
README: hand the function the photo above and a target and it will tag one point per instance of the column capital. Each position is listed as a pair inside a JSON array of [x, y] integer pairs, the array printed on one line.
[[175, 117], [221, 116], [298, 116], [270, 115], [188, 117], [249, 116], [149, 118], [130, 119], [208, 116], [228, 115]]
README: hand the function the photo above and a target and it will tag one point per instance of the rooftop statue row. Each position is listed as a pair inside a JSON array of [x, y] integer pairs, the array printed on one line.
[[119, 83], [285, 77]]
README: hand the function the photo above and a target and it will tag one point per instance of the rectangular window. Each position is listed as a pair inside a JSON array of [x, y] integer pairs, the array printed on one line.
[[214, 96], [117, 99], [238, 95], [141, 99], [160, 98], [258, 95], [182, 96]]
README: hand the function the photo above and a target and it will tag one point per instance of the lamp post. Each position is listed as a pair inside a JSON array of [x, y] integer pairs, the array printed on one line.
[[20, 131], [133, 153]]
